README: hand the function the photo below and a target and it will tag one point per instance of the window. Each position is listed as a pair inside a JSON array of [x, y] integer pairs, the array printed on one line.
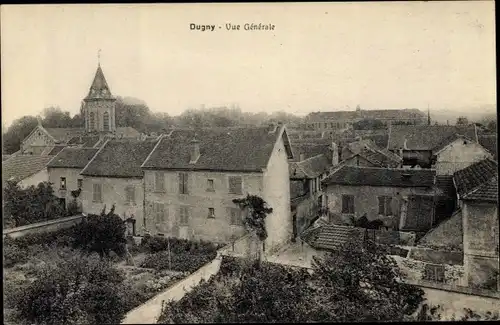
[[80, 183], [211, 212], [159, 182], [184, 216], [434, 272], [106, 121], [130, 195], [331, 125], [235, 185], [384, 205], [183, 183], [235, 214], [210, 185], [159, 212], [91, 121], [63, 183], [348, 204], [97, 193]]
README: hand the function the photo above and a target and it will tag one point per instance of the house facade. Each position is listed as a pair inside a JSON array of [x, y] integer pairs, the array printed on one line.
[[64, 173], [401, 199], [114, 177], [477, 191], [192, 177], [458, 154]]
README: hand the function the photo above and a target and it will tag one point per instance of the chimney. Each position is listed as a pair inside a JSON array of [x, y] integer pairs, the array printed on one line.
[[335, 154], [302, 156], [195, 151], [272, 127]]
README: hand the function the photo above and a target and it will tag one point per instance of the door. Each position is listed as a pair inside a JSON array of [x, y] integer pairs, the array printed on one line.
[[183, 232]]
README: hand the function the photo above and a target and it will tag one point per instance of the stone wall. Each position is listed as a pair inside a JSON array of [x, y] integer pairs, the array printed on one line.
[[45, 226]]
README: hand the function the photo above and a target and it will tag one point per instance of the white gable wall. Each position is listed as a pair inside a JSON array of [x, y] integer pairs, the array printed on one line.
[[35, 179], [458, 155]]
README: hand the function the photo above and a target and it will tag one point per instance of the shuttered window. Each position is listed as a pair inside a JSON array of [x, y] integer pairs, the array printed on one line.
[[63, 183], [211, 213], [183, 183], [235, 185], [97, 193], [384, 205], [348, 204], [159, 212], [130, 195], [184, 216], [235, 216], [159, 182]]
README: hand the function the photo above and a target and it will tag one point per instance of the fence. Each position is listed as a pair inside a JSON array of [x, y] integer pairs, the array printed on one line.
[[45, 226]]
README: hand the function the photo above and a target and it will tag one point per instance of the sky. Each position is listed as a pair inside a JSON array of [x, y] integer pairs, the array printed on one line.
[[319, 57]]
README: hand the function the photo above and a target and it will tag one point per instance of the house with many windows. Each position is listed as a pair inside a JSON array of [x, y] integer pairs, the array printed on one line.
[[191, 178], [114, 177]]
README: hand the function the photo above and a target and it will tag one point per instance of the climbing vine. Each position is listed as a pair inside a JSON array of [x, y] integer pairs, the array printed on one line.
[[257, 211]]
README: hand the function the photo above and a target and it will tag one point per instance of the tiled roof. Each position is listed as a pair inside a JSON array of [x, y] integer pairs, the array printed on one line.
[[73, 157], [449, 140], [448, 234], [120, 158], [379, 158], [55, 150], [489, 142], [20, 167], [477, 181], [331, 237], [236, 149], [65, 134], [373, 176], [375, 114], [309, 168], [87, 141], [309, 150], [5, 157], [425, 137]]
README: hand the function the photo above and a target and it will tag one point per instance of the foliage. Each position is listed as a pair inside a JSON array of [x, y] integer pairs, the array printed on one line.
[[462, 120], [352, 284], [102, 234], [30, 205], [182, 262], [78, 290], [368, 124], [257, 211], [18, 130], [178, 245]]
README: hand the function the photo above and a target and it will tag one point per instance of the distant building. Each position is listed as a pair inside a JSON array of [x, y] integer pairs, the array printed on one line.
[[345, 119], [477, 189]]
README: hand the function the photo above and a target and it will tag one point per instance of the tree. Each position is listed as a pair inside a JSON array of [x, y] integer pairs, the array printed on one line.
[[80, 290], [33, 204], [255, 217], [15, 134], [55, 117], [102, 234], [353, 284], [462, 120], [368, 124]]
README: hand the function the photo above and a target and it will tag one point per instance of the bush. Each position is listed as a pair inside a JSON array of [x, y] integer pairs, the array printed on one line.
[[178, 246], [182, 262], [79, 290], [14, 254]]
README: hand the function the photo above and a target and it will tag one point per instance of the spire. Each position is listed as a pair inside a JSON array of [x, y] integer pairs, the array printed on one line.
[[99, 58], [99, 88]]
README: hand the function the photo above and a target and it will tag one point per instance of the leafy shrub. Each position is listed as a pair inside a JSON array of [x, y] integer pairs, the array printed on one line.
[[79, 290], [182, 262], [178, 246], [14, 254]]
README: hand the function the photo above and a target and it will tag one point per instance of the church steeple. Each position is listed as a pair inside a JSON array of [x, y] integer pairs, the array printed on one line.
[[99, 104]]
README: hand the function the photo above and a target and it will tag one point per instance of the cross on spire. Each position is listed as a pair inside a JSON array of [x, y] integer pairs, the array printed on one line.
[[99, 57]]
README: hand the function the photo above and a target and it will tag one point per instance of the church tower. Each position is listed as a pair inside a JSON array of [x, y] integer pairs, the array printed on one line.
[[99, 105]]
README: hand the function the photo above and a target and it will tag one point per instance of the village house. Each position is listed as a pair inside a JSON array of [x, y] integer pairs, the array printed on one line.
[[25, 170], [366, 153], [191, 179], [442, 147], [114, 177], [345, 119], [305, 187], [64, 173], [477, 191], [401, 199]]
